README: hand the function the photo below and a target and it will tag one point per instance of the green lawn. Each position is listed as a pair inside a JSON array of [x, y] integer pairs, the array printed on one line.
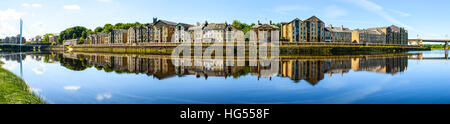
[[13, 90], [435, 46]]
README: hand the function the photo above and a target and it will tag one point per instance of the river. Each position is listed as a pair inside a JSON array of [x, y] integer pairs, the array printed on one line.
[[90, 78]]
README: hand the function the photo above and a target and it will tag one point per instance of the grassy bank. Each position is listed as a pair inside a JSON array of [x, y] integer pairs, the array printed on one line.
[[435, 46], [13, 90]]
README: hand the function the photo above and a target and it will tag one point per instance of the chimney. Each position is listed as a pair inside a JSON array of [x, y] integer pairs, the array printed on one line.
[[270, 22], [259, 22], [206, 23], [342, 26], [331, 26], [155, 20]]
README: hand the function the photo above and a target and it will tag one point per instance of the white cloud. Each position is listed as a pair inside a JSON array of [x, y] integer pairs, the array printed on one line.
[[34, 5], [400, 13], [101, 97], [39, 70], [72, 7], [105, 1], [10, 66], [287, 9], [335, 12], [72, 88], [380, 11], [9, 14], [8, 20], [26, 5], [39, 26]]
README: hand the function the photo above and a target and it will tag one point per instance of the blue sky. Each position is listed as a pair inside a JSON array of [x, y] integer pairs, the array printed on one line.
[[427, 18]]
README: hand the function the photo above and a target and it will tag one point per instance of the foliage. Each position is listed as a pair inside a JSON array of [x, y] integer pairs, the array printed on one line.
[[46, 58], [109, 27], [47, 38], [435, 46], [278, 25], [243, 26], [73, 64], [241, 72], [73, 33], [98, 29], [81, 41]]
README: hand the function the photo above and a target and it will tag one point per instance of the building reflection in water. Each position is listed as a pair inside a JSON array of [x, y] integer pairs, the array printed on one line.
[[13, 57], [310, 70], [313, 71]]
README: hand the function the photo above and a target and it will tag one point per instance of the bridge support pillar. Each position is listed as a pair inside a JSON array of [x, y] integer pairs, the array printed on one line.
[[446, 54], [446, 45]]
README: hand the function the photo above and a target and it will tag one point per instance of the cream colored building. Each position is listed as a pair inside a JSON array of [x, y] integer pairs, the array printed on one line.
[[132, 35], [233, 34], [394, 34], [368, 36], [118, 36], [338, 34], [163, 31], [182, 33], [196, 32], [97, 38], [264, 32], [214, 32]]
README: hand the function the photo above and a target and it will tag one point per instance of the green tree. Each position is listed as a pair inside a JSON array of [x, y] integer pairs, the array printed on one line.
[[84, 34], [72, 33], [81, 41], [120, 26], [107, 28], [60, 40], [243, 26], [98, 29], [47, 38], [278, 25]]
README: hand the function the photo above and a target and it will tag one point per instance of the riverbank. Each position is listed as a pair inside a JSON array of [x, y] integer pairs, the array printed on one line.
[[435, 46], [13, 90], [30, 48], [168, 48], [285, 48]]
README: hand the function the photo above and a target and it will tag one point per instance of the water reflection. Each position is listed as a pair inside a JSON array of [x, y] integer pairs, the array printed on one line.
[[312, 70]]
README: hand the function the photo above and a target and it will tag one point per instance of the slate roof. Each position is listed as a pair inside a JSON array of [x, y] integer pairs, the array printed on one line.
[[166, 22], [186, 26], [338, 29], [221, 26], [313, 18], [265, 26]]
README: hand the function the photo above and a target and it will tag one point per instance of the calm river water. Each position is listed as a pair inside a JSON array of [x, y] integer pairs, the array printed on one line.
[[416, 77]]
